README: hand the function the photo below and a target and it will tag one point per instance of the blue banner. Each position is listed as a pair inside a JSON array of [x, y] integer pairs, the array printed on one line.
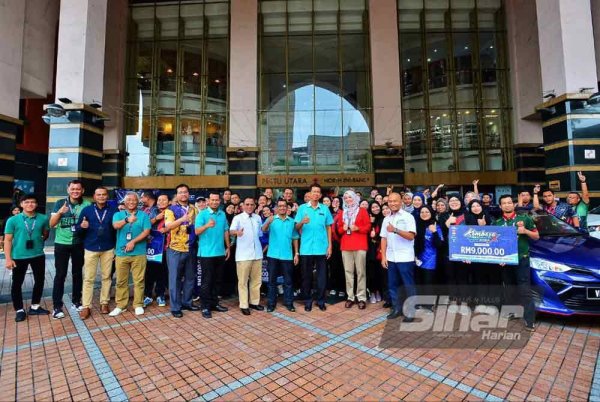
[[154, 247], [487, 244]]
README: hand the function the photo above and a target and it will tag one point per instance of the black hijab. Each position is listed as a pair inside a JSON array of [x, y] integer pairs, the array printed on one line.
[[378, 217], [471, 218], [422, 226]]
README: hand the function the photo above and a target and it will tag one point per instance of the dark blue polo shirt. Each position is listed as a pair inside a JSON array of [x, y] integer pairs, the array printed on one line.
[[98, 236]]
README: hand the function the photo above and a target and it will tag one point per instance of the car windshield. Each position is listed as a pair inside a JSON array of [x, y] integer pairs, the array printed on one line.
[[595, 211], [549, 225]]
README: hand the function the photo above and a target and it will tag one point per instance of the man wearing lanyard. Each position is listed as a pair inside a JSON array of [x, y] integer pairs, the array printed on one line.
[[248, 256], [398, 232], [519, 276], [132, 229], [283, 234], [313, 221], [95, 227], [68, 245], [179, 221], [25, 234], [213, 250]]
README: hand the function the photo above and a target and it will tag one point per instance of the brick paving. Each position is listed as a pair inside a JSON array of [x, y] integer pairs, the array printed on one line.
[[332, 355]]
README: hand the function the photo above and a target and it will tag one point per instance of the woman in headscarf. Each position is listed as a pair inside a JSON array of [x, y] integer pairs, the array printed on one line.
[[353, 230], [418, 201], [485, 277], [428, 242], [376, 274]]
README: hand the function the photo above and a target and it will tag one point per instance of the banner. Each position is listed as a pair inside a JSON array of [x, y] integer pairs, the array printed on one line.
[[487, 244], [154, 247]]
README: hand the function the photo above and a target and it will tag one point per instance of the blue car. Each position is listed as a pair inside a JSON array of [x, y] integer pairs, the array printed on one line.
[[565, 268]]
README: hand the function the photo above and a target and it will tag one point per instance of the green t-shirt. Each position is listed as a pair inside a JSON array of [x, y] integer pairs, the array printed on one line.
[[20, 226], [131, 231], [523, 241], [65, 234]]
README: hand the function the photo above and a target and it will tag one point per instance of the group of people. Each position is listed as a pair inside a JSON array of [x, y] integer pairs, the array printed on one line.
[[364, 249]]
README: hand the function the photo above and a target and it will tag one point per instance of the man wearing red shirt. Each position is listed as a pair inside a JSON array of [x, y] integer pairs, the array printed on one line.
[[353, 227]]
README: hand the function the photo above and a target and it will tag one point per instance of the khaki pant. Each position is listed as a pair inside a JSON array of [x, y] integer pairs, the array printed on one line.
[[90, 268], [137, 266], [251, 270], [355, 260]]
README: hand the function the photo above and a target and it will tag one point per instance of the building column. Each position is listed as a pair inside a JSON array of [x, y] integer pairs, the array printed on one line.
[[571, 124], [12, 20], [76, 137], [526, 89], [388, 160], [243, 109]]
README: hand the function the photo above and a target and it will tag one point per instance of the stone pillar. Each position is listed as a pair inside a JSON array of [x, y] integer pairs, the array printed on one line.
[[526, 89], [76, 138], [12, 20], [571, 124], [385, 72], [243, 169]]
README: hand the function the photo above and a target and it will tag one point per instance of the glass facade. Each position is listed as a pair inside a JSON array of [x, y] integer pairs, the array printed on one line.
[[314, 86], [177, 90], [454, 85]]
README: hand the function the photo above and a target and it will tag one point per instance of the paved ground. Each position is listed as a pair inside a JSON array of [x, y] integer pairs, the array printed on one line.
[[311, 356]]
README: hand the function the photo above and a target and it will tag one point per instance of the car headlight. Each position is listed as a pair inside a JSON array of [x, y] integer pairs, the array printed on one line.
[[544, 265]]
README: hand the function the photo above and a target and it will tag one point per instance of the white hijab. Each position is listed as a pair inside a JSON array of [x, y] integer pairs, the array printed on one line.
[[351, 211]]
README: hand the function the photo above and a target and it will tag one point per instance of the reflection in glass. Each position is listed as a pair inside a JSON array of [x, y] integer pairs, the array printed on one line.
[[165, 146]]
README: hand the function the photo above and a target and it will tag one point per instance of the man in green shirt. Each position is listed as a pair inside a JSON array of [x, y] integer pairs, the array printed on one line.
[[24, 246], [67, 245], [580, 202], [517, 279]]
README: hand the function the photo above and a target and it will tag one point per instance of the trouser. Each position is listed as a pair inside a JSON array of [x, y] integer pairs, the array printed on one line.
[[38, 266], [319, 261], [226, 279], [336, 269], [488, 279], [182, 275], [425, 278], [157, 277], [62, 254], [208, 290], [249, 275], [91, 259], [355, 262], [136, 265], [278, 267], [517, 282], [401, 273]]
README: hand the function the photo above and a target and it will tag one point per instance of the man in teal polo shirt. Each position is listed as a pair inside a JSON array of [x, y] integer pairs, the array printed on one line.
[[517, 279], [313, 222], [68, 245], [25, 234], [133, 227], [282, 234], [213, 231]]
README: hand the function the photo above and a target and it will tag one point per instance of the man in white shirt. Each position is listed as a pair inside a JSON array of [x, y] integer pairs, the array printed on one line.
[[248, 255], [398, 255]]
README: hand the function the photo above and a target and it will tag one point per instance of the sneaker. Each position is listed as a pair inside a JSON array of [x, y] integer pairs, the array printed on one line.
[[378, 297], [58, 314], [530, 327], [77, 306], [139, 310], [21, 316], [38, 311], [372, 299], [195, 299], [332, 293], [115, 312], [280, 289], [161, 301], [148, 301]]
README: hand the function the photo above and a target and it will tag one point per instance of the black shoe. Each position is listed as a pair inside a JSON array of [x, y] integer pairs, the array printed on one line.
[[270, 309], [245, 311], [408, 319], [291, 309], [530, 327], [190, 308], [257, 307], [387, 305], [322, 307], [38, 311], [219, 308], [308, 307], [394, 314], [21, 316], [206, 313], [177, 314]]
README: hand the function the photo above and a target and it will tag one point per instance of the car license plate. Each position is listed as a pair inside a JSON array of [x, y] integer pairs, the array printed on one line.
[[593, 293]]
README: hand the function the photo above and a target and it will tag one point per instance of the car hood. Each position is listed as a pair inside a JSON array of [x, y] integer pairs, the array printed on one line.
[[582, 251]]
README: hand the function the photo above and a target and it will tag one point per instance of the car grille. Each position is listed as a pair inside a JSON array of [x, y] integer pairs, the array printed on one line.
[[576, 299]]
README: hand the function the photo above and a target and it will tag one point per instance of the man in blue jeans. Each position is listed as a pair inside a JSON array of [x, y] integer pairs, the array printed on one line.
[[279, 254], [398, 255]]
